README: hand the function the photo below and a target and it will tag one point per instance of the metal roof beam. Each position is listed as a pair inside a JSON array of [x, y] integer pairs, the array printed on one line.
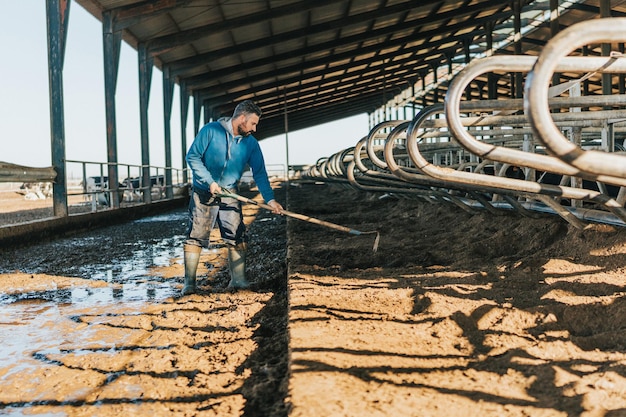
[[304, 84], [199, 81], [355, 39], [274, 125], [297, 69], [167, 42], [188, 63], [338, 92], [126, 16]]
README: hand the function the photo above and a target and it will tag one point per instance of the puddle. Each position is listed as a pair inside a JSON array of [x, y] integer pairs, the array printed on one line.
[[174, 216], [139, 265], [92, 324], [47, 288]]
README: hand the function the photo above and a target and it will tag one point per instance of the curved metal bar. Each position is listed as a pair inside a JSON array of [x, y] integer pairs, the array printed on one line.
[[333, 166], [404, 173], [379, 175], [369, 140], [388, 180], [504, 185], [428, 194], [356, 154], [415, 176], [536, 89], [337, 164], [453, 105]]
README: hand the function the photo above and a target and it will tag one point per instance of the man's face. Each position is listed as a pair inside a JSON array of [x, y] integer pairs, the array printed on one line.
[[247, 124]]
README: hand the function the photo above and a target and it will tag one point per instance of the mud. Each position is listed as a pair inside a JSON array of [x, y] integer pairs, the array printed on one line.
[[94, 325], [456, 314]]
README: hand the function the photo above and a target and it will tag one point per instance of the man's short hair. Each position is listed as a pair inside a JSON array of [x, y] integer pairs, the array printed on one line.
[[247, 107]]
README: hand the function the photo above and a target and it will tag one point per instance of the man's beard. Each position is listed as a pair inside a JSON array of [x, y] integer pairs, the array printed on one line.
[[242, 132]]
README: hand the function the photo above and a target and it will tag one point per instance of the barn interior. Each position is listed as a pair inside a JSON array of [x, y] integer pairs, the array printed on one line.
[[493, 177]]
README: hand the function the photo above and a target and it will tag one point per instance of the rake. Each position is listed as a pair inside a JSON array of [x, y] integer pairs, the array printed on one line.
[[306, 218]]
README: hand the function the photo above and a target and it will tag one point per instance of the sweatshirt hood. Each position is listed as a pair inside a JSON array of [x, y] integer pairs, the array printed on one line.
[[227, 124]]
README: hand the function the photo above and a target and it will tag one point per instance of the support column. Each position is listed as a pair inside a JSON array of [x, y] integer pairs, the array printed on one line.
[[466, 50], [168, 93], [607, 87], [112, 43], [145, 80], [433, 69], [554, 30], [184, 111], [518, 84], [413, 109], [423, 75], [197, 111], [286, 121], [57, 17], [492, 87], [621, 81]]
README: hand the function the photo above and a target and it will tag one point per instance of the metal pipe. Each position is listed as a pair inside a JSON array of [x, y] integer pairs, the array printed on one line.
[[427, 193], [507, 185], [589, 215], [453, 106], [535, 102], [14, 173], [369, 140], [415, 177]]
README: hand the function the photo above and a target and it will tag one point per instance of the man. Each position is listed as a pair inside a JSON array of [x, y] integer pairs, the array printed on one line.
[[217, 158]]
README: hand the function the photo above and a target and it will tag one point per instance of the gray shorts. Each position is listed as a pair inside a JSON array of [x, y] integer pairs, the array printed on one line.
[[205, 211]]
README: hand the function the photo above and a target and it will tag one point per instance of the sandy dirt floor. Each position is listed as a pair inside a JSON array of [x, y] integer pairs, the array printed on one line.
[[456, 314]]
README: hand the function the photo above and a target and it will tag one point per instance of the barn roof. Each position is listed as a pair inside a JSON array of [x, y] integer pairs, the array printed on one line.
[[323, 60]]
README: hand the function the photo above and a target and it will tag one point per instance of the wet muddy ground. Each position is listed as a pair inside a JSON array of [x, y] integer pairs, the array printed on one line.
[[93, 324], [456, 314]]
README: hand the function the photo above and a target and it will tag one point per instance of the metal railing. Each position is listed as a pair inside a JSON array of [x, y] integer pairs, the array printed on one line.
[[606, 30], [133, 189], [560, 157]]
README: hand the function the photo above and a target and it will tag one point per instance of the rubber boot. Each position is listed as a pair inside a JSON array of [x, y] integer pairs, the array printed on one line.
[[237, 266], [192, 257]]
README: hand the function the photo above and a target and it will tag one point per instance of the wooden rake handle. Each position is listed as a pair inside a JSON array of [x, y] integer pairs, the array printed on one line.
[[304, 218]]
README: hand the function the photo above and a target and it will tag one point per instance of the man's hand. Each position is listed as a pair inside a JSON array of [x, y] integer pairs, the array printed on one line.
[[276, 207], [216, 189]]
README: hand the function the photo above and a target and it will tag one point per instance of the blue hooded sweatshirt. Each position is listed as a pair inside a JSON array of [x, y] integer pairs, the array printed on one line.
[[217, 155]]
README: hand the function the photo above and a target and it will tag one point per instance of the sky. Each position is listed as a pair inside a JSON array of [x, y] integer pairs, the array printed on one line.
[[25, 106]]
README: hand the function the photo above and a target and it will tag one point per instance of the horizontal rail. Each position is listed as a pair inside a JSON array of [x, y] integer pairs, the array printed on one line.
[[453, 106], [20, 173], [484, 153], [536, 92]]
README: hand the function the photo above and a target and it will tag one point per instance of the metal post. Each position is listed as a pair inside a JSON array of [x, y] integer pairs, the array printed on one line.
[[184, 109], [168, 92], [286, 136], [468, 58], [576, 135], [517, 22], [57, 16], [112, 42], [622, 77], [197, 109], [145, 79], [554, 30], [492, 88], [607, 87], [433, 68]]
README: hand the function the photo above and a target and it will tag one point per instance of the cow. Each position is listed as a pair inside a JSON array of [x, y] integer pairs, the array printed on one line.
[[36, 190]]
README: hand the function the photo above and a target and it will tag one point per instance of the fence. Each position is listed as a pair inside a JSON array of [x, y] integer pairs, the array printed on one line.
[[540, 153]]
